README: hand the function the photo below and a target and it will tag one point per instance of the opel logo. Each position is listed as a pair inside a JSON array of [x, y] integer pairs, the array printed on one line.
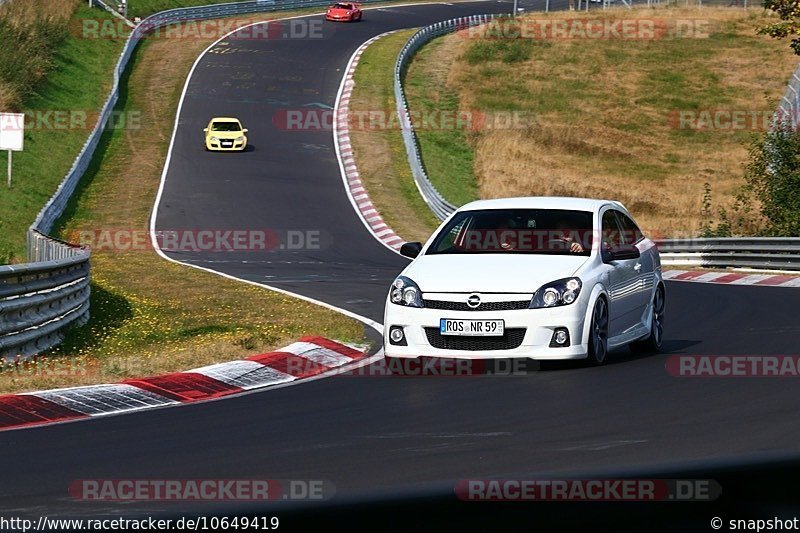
[[474, 301]]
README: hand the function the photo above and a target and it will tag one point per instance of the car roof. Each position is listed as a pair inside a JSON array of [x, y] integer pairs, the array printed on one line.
[[224, 119], [542, 202]]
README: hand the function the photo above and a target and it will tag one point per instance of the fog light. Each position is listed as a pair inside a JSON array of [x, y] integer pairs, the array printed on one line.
[[396, 336], [560, 338]]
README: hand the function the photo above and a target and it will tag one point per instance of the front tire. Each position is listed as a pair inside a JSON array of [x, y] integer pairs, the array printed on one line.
[[654, 342], [598, 334]]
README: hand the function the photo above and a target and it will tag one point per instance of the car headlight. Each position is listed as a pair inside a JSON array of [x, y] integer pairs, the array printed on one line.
[[214, 140], [561, 292], [405, 292], [240, 139]]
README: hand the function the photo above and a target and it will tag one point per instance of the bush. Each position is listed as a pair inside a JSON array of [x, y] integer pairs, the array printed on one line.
[[768, 203], [772, 178]]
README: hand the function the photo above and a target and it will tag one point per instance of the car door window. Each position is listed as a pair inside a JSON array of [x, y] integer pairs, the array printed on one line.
[[612, 236], [631, 234], [455, 237]]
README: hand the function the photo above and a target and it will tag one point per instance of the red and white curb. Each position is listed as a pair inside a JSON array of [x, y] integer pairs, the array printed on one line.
[[344, 151], [308, 358], [728, 278]]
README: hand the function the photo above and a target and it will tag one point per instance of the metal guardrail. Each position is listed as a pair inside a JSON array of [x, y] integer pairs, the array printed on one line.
[[38, 300], [440, 207], [764, 253], [789, 107]]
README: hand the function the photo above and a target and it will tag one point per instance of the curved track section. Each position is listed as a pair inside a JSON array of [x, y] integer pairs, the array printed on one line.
[[384, 435]]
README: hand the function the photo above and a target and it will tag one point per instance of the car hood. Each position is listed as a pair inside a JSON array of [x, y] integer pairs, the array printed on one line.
[[486, 273], [225, 134]]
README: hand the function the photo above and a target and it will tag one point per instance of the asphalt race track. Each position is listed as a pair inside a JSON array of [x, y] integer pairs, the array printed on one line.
[[372, 435]]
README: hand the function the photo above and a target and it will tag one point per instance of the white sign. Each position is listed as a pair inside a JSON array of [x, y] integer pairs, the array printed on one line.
[[12, 131]]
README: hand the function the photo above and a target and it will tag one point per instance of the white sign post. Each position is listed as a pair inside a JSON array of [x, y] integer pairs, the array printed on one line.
[[12, 135]]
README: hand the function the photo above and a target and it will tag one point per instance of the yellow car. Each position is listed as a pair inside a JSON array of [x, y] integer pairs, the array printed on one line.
[[225, 134]]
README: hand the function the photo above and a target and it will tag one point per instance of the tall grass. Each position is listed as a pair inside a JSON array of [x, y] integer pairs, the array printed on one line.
[[30, 32]]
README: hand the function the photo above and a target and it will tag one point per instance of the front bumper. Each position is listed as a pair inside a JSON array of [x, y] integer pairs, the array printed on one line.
[[538, 324], [235, 147], [339, 18]]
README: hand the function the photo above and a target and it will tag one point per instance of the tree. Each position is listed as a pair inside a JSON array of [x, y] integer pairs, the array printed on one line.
[[789, 13]]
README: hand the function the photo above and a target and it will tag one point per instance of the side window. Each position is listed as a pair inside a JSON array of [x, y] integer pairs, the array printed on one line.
[[612, 237], [455, 237], [631, 234]]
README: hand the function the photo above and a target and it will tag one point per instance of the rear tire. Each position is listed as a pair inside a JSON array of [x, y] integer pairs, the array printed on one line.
[[598, 334], [654, 342]]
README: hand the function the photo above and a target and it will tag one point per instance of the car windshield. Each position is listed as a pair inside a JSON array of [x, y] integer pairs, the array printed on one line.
[[226, 126], [536, 231], [342, 6]]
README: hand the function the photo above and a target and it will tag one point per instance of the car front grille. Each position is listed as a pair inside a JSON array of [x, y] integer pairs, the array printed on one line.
[[484, 306], [512, 338]]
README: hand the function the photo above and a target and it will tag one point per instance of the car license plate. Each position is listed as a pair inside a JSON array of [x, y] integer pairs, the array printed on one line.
[[475, 328]]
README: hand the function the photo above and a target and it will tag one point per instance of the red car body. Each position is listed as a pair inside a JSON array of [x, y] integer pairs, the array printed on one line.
[[344, 12]]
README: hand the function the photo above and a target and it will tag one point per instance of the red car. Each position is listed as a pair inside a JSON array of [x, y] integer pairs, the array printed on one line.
[[344, 11]]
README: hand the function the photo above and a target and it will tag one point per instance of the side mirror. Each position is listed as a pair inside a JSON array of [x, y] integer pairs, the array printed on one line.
[[245, 130], [411, 249], [622, 252], [205, 130]]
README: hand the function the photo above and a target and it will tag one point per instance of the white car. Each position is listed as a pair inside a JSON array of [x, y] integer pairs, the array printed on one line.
[[540, 278]]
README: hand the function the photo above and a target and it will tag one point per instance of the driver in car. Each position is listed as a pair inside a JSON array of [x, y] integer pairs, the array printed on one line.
[[566, 234]]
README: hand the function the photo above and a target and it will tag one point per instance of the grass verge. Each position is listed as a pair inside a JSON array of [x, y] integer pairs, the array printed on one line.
[[443, 129], [598, 118], [379, 151], [150, 316], [144, 8], [61, 109]]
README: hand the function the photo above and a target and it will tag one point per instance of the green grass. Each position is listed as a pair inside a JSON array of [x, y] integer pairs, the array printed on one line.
[[144, 8], [444, 148], [392, 187], [78, 82], [26, 47]]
